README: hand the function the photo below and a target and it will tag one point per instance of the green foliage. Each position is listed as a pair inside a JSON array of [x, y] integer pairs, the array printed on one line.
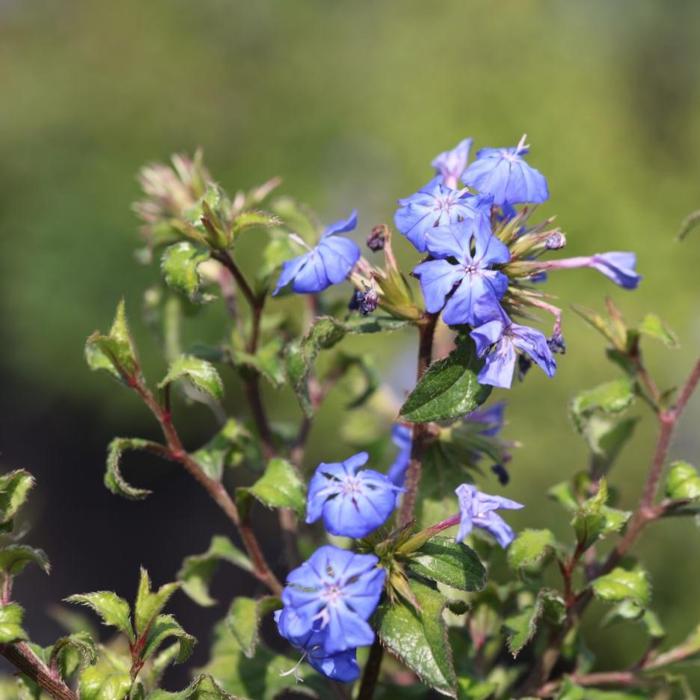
[[14, 489], [449, 389], [15, 557], [107, 680], [531, 547], [179, 266], [595, 520], [163, 628], [622, 585], [682, 482], [149, 603], [202, 688], [231, 447], [113, 478], [11, 616], [443, 560], [651, 325], [279, 487], [114, 611], [201, 374], [73, 651], [244, 619], [268, 362]]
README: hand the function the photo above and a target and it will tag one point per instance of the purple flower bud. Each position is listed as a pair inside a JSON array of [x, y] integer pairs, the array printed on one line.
[[556, 241], [556, 343], [501, 473], [364, 302], [377, 239]]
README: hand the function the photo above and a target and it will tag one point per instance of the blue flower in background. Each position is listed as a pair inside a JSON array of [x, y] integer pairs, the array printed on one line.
[[477, 509], [330, 262], [492, 418], [437, 205], [498, 341], [353, 503], [467, 287], [332, 595], [402, 437], [341, 666], [450, 165], [619, 267], [504, 174]]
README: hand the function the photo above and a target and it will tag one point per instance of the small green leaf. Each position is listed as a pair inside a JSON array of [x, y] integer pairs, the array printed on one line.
[[165, 627], [563, 493], [232, 446], [520, 628], [654, 327], [553, 606], [251, 218], [621, 584], [113, 610], [202, 374], [150, 604], [202, 688], [606, 437], [612, 397], [419, 640], [179, 266], [268, 361], [449, 389], [279, 487], [74, 651], [15, 557], [103, 682], [14, 489], [113, 478], [595, 520], [115, 352], [244, 619], [530, 549], [197, 570], [11, 616], [446, 561], [683, 482]]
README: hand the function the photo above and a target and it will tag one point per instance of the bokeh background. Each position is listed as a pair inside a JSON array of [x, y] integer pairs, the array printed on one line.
[[348, 102]]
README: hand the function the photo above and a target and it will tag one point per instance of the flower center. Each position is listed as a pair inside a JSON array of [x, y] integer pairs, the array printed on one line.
[[332, 594], [352, 486]]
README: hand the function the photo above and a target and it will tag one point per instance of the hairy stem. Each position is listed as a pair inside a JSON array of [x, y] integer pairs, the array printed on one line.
[[25, 660], [371, 672]]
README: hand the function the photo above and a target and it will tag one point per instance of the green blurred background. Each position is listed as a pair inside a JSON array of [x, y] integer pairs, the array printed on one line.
[[348, 102]]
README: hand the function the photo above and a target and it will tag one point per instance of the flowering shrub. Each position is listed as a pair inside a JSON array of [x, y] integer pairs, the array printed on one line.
[[392, 584]]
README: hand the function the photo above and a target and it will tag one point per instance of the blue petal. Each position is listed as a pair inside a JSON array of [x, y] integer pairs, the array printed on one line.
[[534, 344], [339, 256], [487, 335], [451, 164], [499, 365], [345, 630], [496, 526], [451, 240], [342, 226], [311, 278], [290, 269], [489, 250], [620, 267], [341, 667], [437, 278], [474, 298]]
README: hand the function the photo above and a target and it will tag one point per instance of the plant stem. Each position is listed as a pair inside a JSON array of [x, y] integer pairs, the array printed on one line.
[[23, 658], [371, 672], [421, 431]]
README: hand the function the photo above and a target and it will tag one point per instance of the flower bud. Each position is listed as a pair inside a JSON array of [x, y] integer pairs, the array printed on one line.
[[377, 239], [556, 241]]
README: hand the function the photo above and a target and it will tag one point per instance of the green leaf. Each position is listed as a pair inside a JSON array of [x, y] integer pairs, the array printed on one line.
[[179, 266], [115, 352], [654, 327], [15, 557], [563, 493], [612, 397], [202, 688], [202, 374], [113, 478], [197, 570], [553, 606], [446, 561], [682, 482], [620, 585], [521, 628], [419, 640], [113, 610], [606, 437], [150, 604], [104, 682], [530, 549], [14, 489], [268, 361], [279, 487], [449, 389], [251, 218], [11, 616], [166, 627], [595, 520], [73, 651], [472, 689], [232, 446], [244, 619], [570, 691]]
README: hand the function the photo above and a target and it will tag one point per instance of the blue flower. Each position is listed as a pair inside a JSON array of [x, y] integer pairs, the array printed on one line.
[[467, 287], [451, 164], [402, 437], [498, 341], [436, 204], [502, 173], [477, 509], [332, 594], [619, 267], [330, 262], [341, 666], [352, 503], [492, 418]]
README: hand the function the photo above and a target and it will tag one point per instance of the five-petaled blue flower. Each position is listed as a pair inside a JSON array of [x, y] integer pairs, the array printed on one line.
[[477, 509], [330, 262], [461, 277], [353, 503], [332, 594], [402, 437], [450, 165], [341, 666], [436, 204], [502, 173], [498, 341]]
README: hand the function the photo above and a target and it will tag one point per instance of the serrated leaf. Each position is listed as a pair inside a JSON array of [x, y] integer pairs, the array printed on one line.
[[197, 570], [521, 628], [682, 482], [113, 610], [563, 493], [14, 489], [654, 327], [252, 218], [202, 688], [620, 585], [279, 487], [179, 266], [244, 619], [268, 361], [606, 437], [443, 560], [11, 616], [230, 447], [150, 604], [200, 373], [419, 640], [15, 557], [449, 389], [73, 651], [553, 606], [595, 520], [166, 627], [103, 682], [114, 352], [530, 548], [612, 397], [113, 478]]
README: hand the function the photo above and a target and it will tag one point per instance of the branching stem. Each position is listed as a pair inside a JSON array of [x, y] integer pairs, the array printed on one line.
[[25, 660]]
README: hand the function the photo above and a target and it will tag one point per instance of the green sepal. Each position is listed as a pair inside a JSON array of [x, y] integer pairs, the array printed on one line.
[[113, 478], [682, 482], [15, 557], [244, 617], [279, 487], [530, 549], [198, 569], [165, 627], [623, 585], [113, 610], [419, 640], [14, 489], [179, 265], [11, 616], [200, 373], [449, 388], [149, 603]]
